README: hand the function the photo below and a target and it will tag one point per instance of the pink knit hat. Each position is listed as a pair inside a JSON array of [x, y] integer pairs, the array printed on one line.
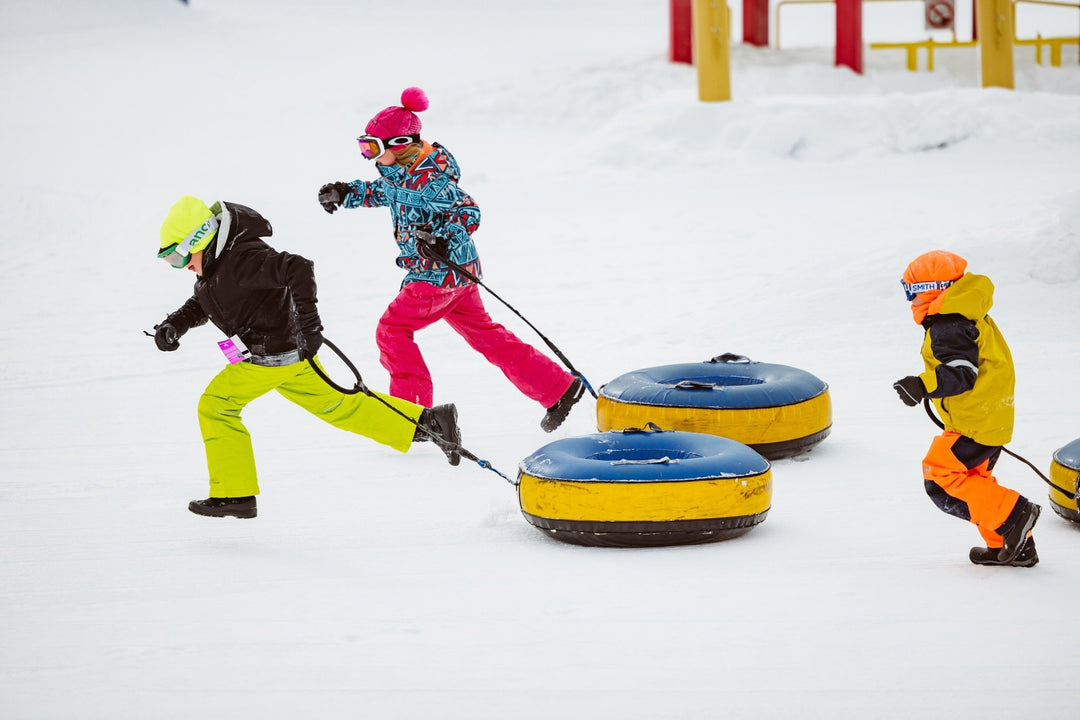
[[394, 121]]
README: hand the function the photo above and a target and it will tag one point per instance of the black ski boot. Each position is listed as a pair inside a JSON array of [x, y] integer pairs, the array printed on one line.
[[441, 421], [1016, 536], [239, 507], [557, 413], [1027, 557]]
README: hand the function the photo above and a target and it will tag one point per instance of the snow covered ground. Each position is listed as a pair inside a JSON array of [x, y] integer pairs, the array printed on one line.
[[636, 227]]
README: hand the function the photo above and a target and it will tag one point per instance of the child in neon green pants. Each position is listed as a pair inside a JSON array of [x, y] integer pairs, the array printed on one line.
[[229, 456], [264, 301]]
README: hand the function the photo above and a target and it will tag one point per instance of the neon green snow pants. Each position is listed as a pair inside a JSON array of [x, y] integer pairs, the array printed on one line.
[[229, 456]]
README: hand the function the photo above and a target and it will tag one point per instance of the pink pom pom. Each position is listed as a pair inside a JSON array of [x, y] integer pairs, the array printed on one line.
[[414, 99]]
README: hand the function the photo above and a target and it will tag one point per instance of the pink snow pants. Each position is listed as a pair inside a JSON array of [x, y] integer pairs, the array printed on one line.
[[421, 304]]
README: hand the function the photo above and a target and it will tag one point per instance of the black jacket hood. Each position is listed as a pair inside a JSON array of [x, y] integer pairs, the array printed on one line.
[[237, 224]]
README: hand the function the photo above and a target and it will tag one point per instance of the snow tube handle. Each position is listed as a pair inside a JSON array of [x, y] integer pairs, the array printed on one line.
[[359, 387], [694, 385], [730, 358], [655, 461], [649, 428]]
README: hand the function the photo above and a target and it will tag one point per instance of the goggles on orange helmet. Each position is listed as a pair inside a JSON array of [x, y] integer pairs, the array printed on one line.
[[911, 290], [372, 147]]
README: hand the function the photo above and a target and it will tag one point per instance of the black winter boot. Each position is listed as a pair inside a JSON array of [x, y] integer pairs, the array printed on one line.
[[1020, 522], [240, 507], [1027, 557], [441, 421], [557, 413]]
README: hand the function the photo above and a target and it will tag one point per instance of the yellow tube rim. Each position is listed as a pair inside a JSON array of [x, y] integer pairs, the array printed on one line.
[[750, 426], [593, 501], [1063, 477]]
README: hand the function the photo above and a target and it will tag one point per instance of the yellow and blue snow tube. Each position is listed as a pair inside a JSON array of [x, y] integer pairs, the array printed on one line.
[[777, 410], [1065, 473], [638, 488]]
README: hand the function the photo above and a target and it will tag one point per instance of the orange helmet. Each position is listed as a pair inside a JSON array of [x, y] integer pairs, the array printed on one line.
[[932, 271]]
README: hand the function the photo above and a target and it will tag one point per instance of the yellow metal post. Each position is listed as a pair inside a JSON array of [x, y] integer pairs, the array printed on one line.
[[995, 25], [712, 49]]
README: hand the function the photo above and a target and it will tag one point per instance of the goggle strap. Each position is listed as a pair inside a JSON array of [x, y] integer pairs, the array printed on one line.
[[919, 288], [404, 140], [198, 234]]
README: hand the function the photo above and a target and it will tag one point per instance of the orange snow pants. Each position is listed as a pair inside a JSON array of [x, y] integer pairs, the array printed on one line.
[[957, 475]]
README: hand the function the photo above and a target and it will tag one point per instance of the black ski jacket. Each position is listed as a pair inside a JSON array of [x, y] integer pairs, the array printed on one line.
[[249, 289]]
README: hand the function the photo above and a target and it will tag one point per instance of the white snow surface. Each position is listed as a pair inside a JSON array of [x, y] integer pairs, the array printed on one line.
[[632, 224]]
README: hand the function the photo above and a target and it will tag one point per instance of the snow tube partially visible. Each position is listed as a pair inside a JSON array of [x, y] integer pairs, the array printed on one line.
[[777, 410], [1065, 472], [636, 488]]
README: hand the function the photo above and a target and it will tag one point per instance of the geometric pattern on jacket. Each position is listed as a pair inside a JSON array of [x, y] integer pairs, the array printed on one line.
[[426, 196]]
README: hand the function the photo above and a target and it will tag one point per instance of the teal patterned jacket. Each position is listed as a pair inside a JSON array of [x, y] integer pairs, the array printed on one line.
[[426, 196]]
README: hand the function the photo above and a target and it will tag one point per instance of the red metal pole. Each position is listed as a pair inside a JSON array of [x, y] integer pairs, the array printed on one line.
[[849, 44], [682, 28], [755, 22]]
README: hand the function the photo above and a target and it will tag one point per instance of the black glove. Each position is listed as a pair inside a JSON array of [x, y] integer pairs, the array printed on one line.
[[166, 338], [910, 389], [309, 343], [430, 247], [331, 195]]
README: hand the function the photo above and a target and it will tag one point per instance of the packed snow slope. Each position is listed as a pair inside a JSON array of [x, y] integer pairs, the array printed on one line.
[[635, 226]]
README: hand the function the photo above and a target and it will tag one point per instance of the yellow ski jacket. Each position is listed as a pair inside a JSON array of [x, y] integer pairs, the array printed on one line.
[[969, 370]]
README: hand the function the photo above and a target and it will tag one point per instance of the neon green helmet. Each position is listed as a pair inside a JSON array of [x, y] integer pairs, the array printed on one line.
[[188, 228]]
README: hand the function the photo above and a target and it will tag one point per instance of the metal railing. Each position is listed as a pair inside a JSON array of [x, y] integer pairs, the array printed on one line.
[[783, 3], [929, 45], [1054, 43]]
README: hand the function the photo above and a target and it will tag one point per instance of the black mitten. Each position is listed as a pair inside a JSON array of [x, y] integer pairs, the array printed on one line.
[[309, 343], [910, 389], [166, 337], [331, 195], [431, 247]]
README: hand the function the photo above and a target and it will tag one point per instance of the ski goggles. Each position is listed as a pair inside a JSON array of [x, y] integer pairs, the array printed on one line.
[[372, 147], [914, 289], [179, 254]]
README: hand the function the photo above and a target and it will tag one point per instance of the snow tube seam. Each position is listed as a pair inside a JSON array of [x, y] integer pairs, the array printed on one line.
[[653, 534]]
